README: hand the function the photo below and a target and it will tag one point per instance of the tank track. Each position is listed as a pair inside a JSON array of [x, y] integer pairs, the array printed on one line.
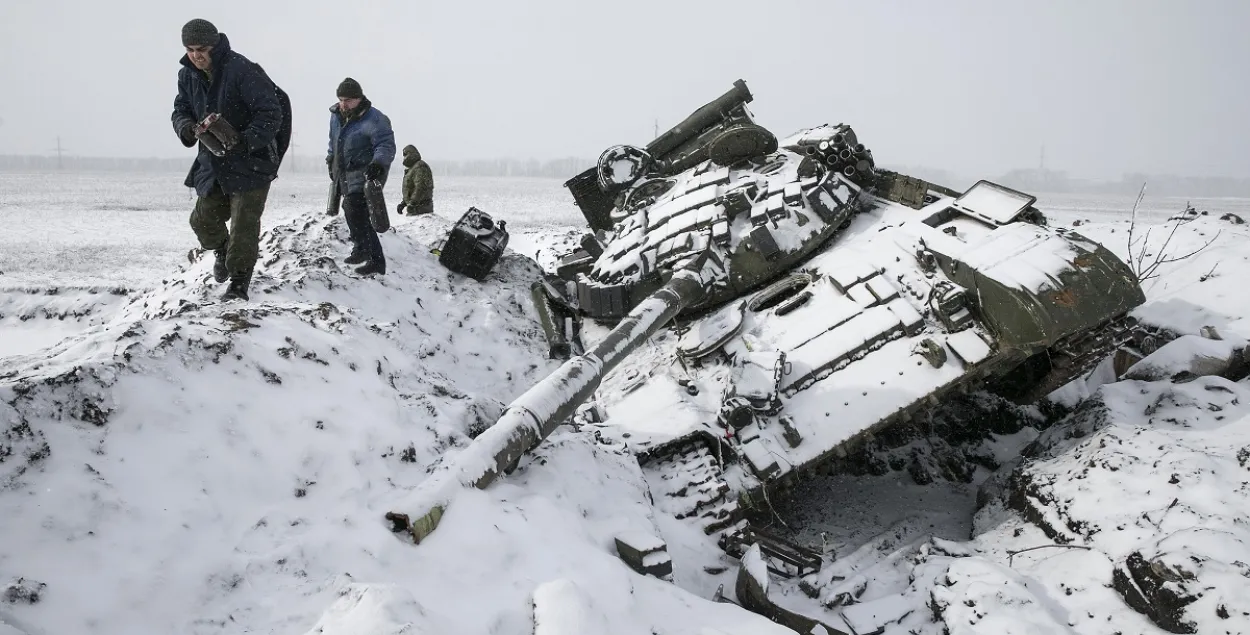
[[686, 479], [1078, 354]]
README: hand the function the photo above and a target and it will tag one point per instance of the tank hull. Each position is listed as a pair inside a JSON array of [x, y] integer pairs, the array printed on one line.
[[818, 300]]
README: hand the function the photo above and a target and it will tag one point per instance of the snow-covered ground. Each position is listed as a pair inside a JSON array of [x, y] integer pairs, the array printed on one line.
[[102, 229], [170, 464]]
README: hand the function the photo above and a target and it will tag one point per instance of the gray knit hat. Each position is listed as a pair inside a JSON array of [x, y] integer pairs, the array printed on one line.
[[199, 32]]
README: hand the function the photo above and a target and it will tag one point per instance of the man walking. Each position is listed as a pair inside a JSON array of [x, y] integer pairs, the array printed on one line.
[[418, 184], [235, 185], [362, 147]]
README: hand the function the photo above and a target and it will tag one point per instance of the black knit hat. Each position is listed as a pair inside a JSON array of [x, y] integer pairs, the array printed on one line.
[[199, 32], [349, 88]]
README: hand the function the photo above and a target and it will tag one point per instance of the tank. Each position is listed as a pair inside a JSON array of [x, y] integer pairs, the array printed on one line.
[[813, 299]]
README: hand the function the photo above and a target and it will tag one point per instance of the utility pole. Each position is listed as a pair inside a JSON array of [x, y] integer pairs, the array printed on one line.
[[656, 132], [1041, 161], [59, 150]]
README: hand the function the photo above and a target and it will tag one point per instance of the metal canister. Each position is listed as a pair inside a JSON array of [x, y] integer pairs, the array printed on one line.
[[379, 217], [335, 199]]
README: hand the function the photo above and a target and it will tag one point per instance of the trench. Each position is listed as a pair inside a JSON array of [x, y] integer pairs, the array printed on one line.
[[33, 319], [916, 480]]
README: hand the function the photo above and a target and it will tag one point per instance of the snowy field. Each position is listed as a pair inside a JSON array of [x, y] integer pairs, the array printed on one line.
[[171, 465], [104, 229]]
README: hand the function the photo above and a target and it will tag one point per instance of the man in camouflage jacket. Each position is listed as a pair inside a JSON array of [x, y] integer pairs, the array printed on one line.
[[418, 184]]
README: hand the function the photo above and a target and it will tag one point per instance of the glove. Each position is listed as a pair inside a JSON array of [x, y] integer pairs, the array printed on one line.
[[186, 134], [330, 167], [375, 171], [400, 209]]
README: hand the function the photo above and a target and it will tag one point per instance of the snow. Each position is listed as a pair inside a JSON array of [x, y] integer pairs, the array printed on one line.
[[376, 609], [993, 203], [28, 340], [130, 230], [563, 608], [712, 333], [968, 346], [171, 464], [866, 617], [1021, 256], [1191, 353], [983, 598], [753, 563]]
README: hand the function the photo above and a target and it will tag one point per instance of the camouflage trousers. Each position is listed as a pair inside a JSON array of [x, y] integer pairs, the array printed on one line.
[[241, 240], [420, 209]]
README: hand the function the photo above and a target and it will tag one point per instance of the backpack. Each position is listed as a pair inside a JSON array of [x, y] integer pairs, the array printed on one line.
[[283, 138]]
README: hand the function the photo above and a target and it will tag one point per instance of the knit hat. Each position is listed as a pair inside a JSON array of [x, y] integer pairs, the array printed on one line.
[[199, 32], [350, 89]]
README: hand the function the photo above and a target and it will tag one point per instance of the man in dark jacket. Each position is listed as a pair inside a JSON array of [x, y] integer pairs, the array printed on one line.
[[362, 147], [232, 187], [418, 184]]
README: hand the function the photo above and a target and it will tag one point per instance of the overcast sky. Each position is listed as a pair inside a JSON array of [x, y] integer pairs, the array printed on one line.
[[975, 87]]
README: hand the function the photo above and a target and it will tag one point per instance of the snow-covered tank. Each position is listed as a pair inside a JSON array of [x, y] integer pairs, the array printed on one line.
[[816, 298]]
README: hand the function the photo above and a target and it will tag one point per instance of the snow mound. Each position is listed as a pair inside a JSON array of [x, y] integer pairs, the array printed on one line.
[[563, 608], [383, 609], [1152, 477], [1190, 354], [977, 597], [188, 466], [1128, 516]]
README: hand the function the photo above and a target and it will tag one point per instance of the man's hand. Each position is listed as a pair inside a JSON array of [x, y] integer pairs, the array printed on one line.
[[187, 134], [400, 209], [330, 166], [375, 171]]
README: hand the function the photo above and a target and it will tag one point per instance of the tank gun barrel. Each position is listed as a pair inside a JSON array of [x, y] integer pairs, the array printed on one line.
[[708, 115], [540, 410]]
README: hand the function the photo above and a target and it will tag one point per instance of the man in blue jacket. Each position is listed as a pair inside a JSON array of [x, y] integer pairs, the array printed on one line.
[[232, 187], [362, 147]]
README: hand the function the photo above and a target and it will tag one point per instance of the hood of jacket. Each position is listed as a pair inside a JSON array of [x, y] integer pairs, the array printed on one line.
[[411, 155]]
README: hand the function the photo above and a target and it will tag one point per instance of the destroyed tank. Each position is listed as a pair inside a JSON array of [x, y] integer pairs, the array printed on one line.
[[815, 299]]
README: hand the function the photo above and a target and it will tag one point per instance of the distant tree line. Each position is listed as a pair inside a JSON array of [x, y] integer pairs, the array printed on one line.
[[1036, 180], [1030, 180], [19, 163], [557, 168]]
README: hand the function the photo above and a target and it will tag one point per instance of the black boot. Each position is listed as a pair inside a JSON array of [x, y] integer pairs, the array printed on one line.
[[219, 265], [357, 256], [237, 289], [372, 267]]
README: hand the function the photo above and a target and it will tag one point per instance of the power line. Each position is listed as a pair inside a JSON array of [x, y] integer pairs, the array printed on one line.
[[60, 165]]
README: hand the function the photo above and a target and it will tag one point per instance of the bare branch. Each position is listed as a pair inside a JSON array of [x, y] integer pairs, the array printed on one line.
[[1012, 554], [1207, 276], [1133, 224], [1176, 223], [1141, 255], [1137, 261], [1163, 261]]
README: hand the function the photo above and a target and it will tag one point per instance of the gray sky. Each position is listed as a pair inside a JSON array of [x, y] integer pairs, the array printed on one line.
[[975, 87]]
